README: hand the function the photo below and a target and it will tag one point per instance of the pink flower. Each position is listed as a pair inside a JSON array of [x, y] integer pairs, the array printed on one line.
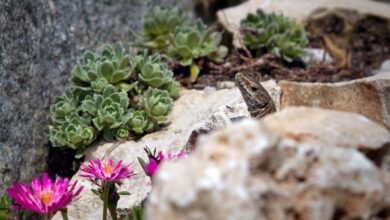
[[45, 197], [151, 167], [107, 172], [154, 160]]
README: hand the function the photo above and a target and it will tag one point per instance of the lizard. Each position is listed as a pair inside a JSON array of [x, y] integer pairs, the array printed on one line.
[[257, 99]]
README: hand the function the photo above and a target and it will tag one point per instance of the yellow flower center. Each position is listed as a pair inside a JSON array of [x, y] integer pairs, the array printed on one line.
[[47, 197], [107, 169]]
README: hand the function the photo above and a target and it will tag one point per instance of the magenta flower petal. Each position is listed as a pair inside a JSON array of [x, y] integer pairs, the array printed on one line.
[[108, 172], [45, 197], [155, 160], [151, 167]]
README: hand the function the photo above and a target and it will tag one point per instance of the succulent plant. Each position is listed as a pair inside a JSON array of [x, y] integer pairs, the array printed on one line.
[[274, 33], [152, 71], [110, 67], [121, 133], [191, 42], [75, 132], [139, 122], [169, 32], [173, 88], [107, 98], [159, 23], [64, 105], [108, 110], [157, 104]]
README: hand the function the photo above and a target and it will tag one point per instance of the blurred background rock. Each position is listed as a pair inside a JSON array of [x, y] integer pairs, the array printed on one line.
[[40, 42]]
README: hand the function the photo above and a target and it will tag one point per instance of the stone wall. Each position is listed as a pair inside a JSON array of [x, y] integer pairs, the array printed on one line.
[[40, 41]]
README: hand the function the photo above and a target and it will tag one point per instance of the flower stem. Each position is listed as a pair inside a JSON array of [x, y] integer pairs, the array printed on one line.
[[64, 214], [113, 213], [106, 193]]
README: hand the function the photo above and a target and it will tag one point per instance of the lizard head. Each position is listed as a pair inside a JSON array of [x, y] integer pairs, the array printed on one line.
[[253, 92]]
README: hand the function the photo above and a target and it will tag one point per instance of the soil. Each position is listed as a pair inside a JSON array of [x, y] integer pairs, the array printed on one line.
[[265, 68], [357, 52], [354, 40]]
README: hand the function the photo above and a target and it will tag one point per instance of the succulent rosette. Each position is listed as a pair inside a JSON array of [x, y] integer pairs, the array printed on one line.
[[44, 196], [139, 122], [108, 110], [195, 41], [155, 74], [274, 33], [74, 132], [157, 104], [64, 105], [159, 23], [111, 66]]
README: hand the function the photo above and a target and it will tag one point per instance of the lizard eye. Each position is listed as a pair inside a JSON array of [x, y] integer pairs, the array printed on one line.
[[254, 89]]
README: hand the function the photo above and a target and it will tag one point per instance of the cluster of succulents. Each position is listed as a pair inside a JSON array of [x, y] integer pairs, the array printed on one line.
[[274, 33], [169, 32], [115, 94]]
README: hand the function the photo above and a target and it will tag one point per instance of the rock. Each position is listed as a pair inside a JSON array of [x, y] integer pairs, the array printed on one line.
[[195, 113], [226, 84], [299, 10], [368, 96], [385, 67], [40, 42], [274, 91], [256, 170], [314, 55]]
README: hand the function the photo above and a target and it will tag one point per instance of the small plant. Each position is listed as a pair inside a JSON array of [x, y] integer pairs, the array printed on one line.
[[5, 205], [274, 33], [107, 177], [158, 25], [116, 94], [196, 41], [168, 32], [136, 213]]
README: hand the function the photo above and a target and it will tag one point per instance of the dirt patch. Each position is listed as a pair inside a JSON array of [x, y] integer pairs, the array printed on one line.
[[352, 39], [265, 68]]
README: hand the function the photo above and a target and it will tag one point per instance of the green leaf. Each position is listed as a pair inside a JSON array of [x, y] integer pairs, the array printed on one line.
[[141, 162], [138, 212], [124, 193], [96, 192], [89, 56], [79, 153], [107, 70], [193, 40], [194, 72], [119, 50]]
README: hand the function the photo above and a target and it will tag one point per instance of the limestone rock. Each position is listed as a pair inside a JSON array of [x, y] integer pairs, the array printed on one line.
[[40, 41], [194, 113], [368, 96], [256, 170], [314, 124]]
